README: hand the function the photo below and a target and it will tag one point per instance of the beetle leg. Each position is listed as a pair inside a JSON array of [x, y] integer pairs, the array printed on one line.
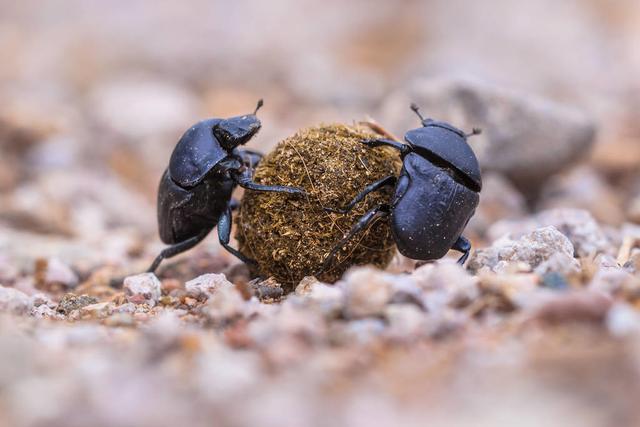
[[224, 234], [176, 249], [377, 185], [245, 180], [365, 220], [462, 245], [234, 204], [250, 158], [380, 142]]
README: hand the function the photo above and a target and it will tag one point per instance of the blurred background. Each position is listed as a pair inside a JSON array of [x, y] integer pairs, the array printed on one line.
[[96, 94]]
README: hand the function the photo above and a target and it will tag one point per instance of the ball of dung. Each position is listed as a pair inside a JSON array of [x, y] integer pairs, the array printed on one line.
[[290, 237]]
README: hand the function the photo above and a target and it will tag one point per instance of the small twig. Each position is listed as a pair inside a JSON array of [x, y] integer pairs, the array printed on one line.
[[377, 128], [624, 253]]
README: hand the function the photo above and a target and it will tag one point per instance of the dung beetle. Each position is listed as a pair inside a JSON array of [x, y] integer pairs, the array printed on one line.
[[195, 190], [435, 195]]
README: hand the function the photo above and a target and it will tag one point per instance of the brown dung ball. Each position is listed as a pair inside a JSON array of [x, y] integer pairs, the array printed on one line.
[[291, 237]]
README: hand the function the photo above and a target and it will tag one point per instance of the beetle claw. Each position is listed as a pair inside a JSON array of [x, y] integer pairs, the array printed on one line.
[[299, 192]]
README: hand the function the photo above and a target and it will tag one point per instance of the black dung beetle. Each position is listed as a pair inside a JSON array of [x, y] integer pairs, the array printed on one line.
[[195, 191], [435, 195]]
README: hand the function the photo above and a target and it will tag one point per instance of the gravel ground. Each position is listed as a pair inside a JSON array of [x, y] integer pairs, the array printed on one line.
[[541, 327]]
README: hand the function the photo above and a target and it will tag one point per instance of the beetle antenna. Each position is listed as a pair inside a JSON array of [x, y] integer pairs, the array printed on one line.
[[258, 106], [416, 110], [474, 131]]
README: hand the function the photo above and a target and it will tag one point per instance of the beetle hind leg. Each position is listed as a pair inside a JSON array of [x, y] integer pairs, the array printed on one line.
[[224, 235], [176, 249], [387, 181], [462, 245], [365, 220]]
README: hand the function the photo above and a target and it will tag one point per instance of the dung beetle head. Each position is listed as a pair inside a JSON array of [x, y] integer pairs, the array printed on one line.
[[446, 146], [426, 122], [237, 130]]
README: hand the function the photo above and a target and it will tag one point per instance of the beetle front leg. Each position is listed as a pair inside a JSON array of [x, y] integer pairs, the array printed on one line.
[[375, 186], [250, 158], [245, 180], [462, 245], [384, 142]]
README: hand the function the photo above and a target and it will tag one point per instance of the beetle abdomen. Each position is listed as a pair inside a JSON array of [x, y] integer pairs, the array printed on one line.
[[185, 213], [433, 211]]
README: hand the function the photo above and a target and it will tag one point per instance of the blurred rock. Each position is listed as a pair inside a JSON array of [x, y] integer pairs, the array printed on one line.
[[207, 285], [71, 302], [329, 299], [78, 202], [499, 200], [534, 249], [8, 271], [525, 138], [615, 281], [633, 210], [13, 301], [618, 153], [97, 311], [224, 305], [361, 331], [367, 291], [575, 307], [445, 283], [622, 320], [45, 312], [140, 106], [142, 289], [51, 274], [268, 290], [507, 293], [583, 188], [23, 125], [586, 236], [406, 321]]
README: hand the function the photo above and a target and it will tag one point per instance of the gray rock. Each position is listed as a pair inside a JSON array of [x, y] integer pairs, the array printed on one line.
[[142, 289], [97, 311], [535, 249], [207, 284], [586, 236], [45, 312], [525, 138], [71, 302]]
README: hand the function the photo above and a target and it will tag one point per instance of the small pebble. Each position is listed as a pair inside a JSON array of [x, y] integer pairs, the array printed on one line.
[[142, 289], [206, 285]]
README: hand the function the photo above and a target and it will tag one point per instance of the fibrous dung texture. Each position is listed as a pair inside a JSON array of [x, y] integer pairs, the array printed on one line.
[[290, 237]]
